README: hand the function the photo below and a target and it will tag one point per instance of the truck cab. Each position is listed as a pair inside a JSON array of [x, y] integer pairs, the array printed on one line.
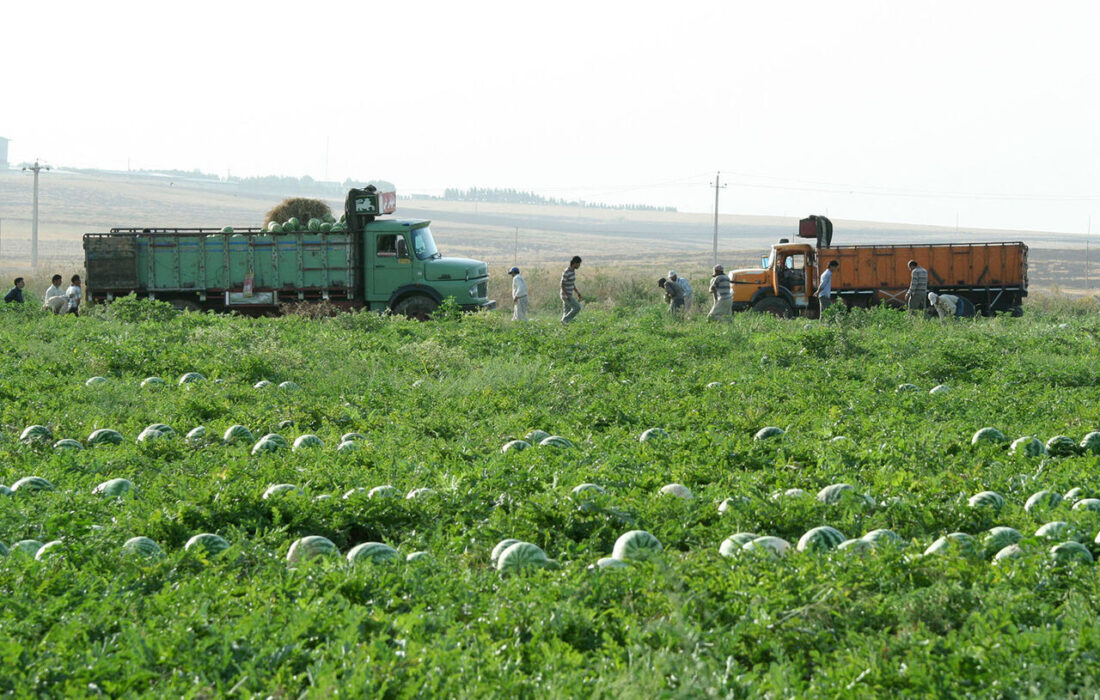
[[784, 284]]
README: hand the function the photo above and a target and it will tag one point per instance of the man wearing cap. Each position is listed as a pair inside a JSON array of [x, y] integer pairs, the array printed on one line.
[[918, 288], [519, 295], [684, 285], [945, 304], [723, 297], [674, 295]]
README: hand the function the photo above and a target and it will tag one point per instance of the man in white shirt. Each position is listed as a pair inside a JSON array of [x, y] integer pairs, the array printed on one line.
[[73, 295], [56, 301], [944, 304], [519, 295], [684, 285]]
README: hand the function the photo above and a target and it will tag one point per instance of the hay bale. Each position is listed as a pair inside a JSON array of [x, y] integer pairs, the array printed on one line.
[[300, 207]]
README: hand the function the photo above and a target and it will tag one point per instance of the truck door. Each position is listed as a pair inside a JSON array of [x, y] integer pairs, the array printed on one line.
[[793, 274], [391, 264]]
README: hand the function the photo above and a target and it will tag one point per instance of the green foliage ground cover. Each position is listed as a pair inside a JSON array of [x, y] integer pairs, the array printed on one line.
[[436, 402]]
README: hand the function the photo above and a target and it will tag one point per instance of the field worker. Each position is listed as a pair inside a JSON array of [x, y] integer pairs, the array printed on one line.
[[16, 293], [684, 285], [825, 286], [570, 296], [56, 301], [723, 297], [945, 304], [73, 295], [674, 295], [519, 295], [916, 296]]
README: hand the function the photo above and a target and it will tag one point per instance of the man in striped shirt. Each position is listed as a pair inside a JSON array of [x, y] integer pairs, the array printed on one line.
[[570, 295], [720, 289], [917, 295]]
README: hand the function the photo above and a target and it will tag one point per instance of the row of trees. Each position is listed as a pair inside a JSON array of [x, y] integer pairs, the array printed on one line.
[[513, 196]]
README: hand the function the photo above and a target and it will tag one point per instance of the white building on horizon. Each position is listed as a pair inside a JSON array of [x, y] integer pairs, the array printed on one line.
[[4, 153]]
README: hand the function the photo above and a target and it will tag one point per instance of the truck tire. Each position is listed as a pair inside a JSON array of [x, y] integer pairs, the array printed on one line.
[[186, 305], [773, 305], [417, 306]]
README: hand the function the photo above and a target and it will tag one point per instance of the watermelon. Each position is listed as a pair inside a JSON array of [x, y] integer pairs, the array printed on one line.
[[305, 442], [732, 545], [36, 434], [266, 444], [678, 490], [347, 446], [902, 388], [114, 488], [1091, 443], [67, 444], [352, 437], [1087, 504], [536, 436], [1061, 446], [354, 491], [314, 225], [142, 546], [990, 436], [856, 546], [636, 545], [1074, 494], [582, 490], [820, 539], [227, 229], [191, 377], [277, 439], [417, 556], [372, 553], [987, 499], [1042, 500], [5, 491], [883, 537], [95, 381], [237, 433], [1012, 551], [1057, 530], [653, 434], [310, 547], [555, 441], [104, 436], [714, 385], [326, 227], [1028, 446], [500, 547], [156, 431], [197, 434], [514, 445], [422, 492], [207, 543], [262, 384], [25, 548], [1000, 537], [30, 484], [281, 489], [732, 504], [939, 389], [50, 549], [772, 546], [386, 491], [769, 432], [840, 493], [289, 386], [328, 218], [956, 543], [1070, 553], [3, 550], [789, 493], [523, 555], [611, 563], [294, 222], [274, 227]]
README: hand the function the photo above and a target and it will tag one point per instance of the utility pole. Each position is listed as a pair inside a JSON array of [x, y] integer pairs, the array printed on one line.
[[515, 256], [34, 221], [1088, 286], [717, 185]]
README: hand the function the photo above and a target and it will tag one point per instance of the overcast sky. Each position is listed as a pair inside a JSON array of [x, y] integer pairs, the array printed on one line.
[[979, 113]]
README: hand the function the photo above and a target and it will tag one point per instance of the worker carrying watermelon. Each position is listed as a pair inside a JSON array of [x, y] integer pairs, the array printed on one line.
[[946, 305]]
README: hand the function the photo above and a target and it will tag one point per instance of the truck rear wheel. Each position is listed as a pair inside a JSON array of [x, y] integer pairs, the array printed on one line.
[[417, 306], [773, 305]]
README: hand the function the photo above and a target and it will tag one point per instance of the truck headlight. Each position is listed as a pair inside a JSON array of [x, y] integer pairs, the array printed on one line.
[[473, 290]]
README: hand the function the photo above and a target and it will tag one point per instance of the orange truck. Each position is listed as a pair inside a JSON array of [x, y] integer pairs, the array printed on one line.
[[989, 277]]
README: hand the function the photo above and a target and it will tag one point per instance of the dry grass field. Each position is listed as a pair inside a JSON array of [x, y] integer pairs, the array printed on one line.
[[537, 238]]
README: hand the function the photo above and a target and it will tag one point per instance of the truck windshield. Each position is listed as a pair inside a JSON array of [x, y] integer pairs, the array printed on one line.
[[424, 244]]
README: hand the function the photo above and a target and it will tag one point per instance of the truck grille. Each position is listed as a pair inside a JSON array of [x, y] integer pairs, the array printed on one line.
[[482, 290]]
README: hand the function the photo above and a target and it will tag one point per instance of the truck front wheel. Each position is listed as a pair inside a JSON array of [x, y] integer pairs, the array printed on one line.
[[417, 306], [773, 305]]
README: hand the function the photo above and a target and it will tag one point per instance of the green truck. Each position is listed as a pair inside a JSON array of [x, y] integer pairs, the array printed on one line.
[[367, 261]]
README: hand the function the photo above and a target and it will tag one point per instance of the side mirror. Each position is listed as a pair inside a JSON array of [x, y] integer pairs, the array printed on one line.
[[402, 248]]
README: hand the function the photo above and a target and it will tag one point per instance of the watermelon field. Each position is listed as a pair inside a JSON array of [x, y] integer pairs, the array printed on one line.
[[764, 507]]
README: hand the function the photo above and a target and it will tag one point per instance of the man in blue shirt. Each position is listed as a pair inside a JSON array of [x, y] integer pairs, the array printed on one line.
[[825, 286], [16, 293]]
